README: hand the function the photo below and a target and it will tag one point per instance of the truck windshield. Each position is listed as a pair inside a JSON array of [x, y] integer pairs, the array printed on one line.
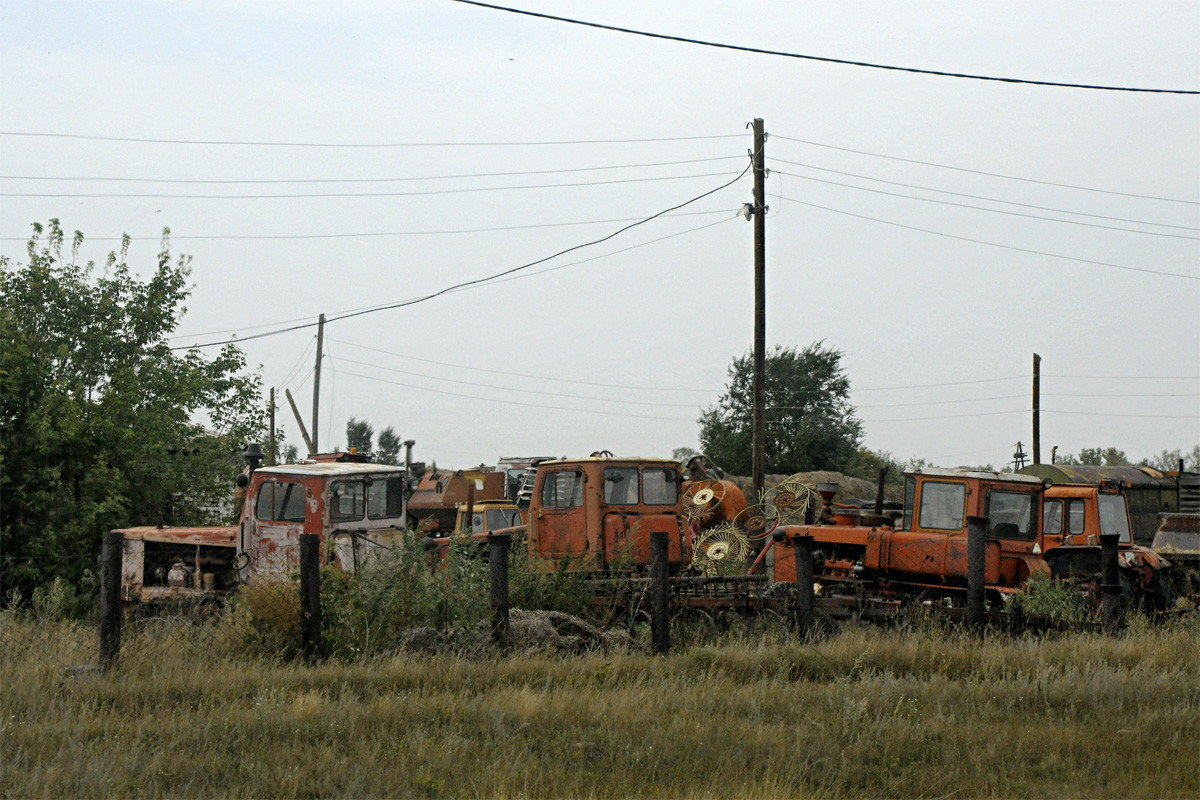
[[346, 501], [498, 518], [660, 487], [942, 505], [1011, 515], [1114, 518], [280, 501], [621, 486], [385, 497]]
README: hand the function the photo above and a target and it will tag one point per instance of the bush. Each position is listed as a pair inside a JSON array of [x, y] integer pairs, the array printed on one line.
[[1056, 600]]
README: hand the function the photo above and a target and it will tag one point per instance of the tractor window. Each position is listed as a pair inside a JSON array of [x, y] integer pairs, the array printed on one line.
[[346, 501], [1114, 518], [621, 486], [1011, 515], [1052, 517], [1075, 516], [943, 505], [562, 490], [385, 497], [910, 500], [280, 502], [498, 518], [660, 487]]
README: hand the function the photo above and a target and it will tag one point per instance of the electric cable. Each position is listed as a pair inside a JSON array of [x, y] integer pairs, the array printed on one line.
[[365, 146], [982, 172], [995, 244], [991, 210], [984, 197], [824, 59], [478, 281]]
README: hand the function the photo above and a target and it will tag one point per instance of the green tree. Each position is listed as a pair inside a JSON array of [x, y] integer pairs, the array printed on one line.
[[360, 436], [810, 422], [102, 424], [389, 446], [1096, 457], [1168, 460]]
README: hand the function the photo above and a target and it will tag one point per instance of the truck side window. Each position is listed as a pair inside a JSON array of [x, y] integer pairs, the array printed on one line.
[[943, 505], [1052, 517], [910, 500], [562, 490], [1114, 518], [280, 501], [660, 487], [346, 501], [1012, 515], [621, 486], [385, 497], [1075, 518]]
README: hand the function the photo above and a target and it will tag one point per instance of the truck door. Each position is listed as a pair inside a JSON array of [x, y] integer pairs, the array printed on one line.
[[275, 524], [1014, 519], [561, 523]]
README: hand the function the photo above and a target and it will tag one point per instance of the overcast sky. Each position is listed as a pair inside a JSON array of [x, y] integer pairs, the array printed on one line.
[[938, 231]]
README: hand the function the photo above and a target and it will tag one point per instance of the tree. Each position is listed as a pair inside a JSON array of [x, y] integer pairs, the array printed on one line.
[[104, 425], [389, 446], [1096, 457], [1168, 460], [359, 436], [683, 454], [810, 422]]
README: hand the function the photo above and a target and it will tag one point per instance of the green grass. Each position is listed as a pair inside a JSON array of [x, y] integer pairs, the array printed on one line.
[[866, 713]]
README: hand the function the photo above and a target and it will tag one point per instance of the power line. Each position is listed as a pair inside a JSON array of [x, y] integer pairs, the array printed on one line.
[[1127, 377], [309, 195], [235, 143], [991, 210], [984, 197], [370, 234], [478, 281], [824, 59], [516, 402], [994, 244], [948, 416], [372, 180], [982, 172], [525, 375], [1131, 416]]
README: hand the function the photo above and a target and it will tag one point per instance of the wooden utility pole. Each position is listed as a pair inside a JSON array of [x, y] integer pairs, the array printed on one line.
[[316, 440], [272, 461], [1037, 409], [300, 421], [760, 310]]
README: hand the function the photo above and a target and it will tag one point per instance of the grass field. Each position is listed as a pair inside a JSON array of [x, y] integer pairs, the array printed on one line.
[[865, 713]]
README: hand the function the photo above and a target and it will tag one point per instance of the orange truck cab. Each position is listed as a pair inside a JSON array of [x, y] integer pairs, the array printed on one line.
[[598, 513]]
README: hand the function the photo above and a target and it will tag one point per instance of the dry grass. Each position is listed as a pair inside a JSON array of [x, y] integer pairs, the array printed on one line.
[[866, 713]]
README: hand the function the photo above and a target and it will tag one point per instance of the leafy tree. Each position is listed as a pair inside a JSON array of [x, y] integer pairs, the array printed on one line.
[[1168, 460], [810, 422], [389, 446], [359, 436], [682, 454], [1096, 457], [102, 424]]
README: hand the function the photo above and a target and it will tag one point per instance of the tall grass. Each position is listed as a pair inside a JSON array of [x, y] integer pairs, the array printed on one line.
[[920, 712]]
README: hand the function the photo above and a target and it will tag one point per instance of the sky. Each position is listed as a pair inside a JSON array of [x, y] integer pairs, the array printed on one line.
[[327, 158]]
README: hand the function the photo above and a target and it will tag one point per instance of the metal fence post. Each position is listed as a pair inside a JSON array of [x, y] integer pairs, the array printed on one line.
[[310, 596], [660, 621], [1111, 587], [802, 551], [498, 545], [976, 569], [110, 598]]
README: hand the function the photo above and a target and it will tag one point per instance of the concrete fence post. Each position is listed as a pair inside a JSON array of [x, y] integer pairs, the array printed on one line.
[[802, 550], [498, 545], [110, 598], [310, 597], [660, 620], [976, 570], [1114, 618]]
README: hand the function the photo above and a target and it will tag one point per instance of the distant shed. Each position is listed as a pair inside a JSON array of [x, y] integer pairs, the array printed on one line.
[[1148, 491]]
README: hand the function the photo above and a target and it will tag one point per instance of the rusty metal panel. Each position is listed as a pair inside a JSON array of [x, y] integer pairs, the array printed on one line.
[[1178, 537], [215, 536]]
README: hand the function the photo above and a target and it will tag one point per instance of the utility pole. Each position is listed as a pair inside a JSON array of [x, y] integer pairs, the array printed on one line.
[[316, 442], [1037, 409], [272, 460], [760, 309], [299, 421]]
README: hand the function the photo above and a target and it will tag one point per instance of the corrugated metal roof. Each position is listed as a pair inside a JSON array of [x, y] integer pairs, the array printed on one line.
[[1132, 477], [331, 469]]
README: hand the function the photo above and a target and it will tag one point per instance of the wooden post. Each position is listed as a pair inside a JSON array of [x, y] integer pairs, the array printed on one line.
[[316, 415], [272, 456], [110, 598], [660, 620], [498, 545], [310, 596], [308, 442], [1037, 409], [759, 432], [1111, 587], [976, 572], [802, 551]]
